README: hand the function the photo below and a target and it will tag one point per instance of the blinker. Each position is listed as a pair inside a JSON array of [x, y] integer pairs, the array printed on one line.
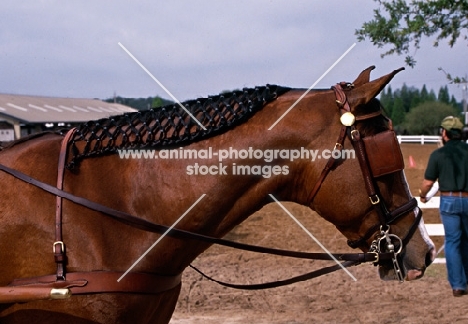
[[347, 119]]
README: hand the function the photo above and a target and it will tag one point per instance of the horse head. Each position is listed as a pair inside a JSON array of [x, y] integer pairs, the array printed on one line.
[[376, 209]]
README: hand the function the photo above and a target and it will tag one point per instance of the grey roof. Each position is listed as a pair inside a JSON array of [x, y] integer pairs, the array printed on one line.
[[35, 109]]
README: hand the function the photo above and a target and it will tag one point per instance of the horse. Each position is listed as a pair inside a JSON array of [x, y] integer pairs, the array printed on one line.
[[207, 194]]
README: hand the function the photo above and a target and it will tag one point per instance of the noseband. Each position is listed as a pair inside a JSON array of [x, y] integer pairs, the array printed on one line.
[[383, 242]]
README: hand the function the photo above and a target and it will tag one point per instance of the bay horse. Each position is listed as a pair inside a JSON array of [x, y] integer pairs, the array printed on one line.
[[163, 191]]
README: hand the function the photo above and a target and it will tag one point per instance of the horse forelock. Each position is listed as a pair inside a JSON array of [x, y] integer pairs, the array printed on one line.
[[171, 125]]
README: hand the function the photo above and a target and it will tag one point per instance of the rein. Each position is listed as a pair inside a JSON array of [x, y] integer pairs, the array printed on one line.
[[63, 284]]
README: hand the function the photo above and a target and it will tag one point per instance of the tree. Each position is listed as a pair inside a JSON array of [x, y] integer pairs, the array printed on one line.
[[444, 95], [425, 119], [406, 24], [157, 102], [386, 99], [398, 112], [141, 103], [424, 94], [454, 103], [407, 96], [432, 96]]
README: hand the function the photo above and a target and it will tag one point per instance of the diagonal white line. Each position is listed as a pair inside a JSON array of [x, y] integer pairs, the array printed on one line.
[[162, 236], [313, 237], [160, 84], [312, 86]]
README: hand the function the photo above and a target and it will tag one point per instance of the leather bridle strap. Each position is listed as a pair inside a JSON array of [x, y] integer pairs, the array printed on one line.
[[385, 217], [59, 246], [393, 216], [361, 155], [371, 190], [329, 166], [280, 283], [342, 102], [81, 283]]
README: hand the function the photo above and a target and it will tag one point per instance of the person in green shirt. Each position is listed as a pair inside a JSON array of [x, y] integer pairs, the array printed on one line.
[[449, 166]]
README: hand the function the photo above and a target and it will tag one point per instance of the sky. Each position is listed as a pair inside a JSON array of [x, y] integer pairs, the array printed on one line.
[[198, 48]]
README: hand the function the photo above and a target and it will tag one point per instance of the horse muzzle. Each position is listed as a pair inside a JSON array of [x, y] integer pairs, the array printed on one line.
[[410, 272], [389, 274]]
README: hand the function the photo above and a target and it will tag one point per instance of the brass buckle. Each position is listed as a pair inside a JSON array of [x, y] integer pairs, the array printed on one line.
[[338, 146], [376, 201], [353, 132], [59, 243]]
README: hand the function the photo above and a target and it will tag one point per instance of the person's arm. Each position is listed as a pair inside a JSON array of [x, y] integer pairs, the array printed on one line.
[[425, 187]]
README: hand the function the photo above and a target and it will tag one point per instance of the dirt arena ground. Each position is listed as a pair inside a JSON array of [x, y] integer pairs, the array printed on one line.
[[334, 298]]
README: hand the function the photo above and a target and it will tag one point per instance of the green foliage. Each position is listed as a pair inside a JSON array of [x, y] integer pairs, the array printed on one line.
[[398, 112], [444, 95], [403, 106], [407, 97], [402, 25], [157, 102], [141, 103], [424, 94], [386, 99], [425, 119]]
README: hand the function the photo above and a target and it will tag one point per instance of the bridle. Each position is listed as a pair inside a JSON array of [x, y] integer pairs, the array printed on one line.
[[63, 284], [383, 239]]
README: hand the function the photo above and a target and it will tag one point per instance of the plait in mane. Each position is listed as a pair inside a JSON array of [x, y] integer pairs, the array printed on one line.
[[170, 125]]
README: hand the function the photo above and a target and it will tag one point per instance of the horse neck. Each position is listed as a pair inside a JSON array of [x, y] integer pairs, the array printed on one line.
[[162, 190]]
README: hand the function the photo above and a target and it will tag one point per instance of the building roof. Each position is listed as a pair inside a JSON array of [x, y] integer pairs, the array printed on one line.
[[36, 109]]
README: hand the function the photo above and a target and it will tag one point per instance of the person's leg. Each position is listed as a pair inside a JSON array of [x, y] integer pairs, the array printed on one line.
[[464, 239], [449, 213]]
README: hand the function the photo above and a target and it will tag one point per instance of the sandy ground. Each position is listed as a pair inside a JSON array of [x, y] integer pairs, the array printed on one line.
[[334, 298]]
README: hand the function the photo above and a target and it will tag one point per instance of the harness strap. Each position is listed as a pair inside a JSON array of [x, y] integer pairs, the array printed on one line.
[[385, 217], [343, 104], [59, 246], [81, 283], [374, 197], [330, 163], [280, 283], [394, 215], [358, 146]]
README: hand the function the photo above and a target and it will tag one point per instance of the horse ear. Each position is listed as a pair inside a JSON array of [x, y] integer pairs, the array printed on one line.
[[364, 93], [364, 77]]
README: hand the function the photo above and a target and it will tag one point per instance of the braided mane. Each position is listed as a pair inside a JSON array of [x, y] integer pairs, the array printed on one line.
[[170, 125]]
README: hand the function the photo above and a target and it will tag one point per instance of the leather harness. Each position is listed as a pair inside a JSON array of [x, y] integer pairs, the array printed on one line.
[[386, 218], [63, 285]]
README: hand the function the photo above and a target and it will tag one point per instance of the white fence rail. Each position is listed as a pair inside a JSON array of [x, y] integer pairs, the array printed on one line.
[[433, 229], [422, 139]]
